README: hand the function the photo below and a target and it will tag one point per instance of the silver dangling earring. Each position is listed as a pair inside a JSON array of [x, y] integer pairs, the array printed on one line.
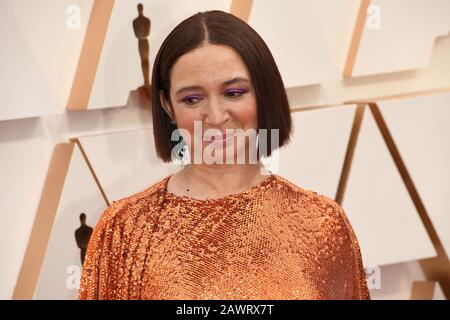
[[182, 153]]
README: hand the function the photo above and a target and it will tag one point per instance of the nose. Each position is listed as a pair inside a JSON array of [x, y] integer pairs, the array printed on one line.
[[216, 114]]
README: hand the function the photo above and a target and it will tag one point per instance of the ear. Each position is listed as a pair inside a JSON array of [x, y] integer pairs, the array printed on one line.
[[165, 104]]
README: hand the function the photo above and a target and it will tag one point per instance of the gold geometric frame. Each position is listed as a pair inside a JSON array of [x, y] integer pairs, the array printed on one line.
[[46, 214], [90, 55], [435, 269], [423, 290], [43, 222]]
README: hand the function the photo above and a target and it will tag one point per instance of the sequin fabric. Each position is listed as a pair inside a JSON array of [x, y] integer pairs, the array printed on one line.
[[274, 240]]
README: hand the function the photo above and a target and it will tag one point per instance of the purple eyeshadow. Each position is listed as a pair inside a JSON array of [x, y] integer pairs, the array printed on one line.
[[191, 97], [236, 91]]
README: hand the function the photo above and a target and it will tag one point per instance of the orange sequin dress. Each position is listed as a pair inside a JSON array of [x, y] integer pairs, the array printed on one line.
[[274, 240]]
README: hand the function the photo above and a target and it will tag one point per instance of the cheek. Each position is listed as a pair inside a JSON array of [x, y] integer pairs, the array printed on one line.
[[186, 119], [246, 114]]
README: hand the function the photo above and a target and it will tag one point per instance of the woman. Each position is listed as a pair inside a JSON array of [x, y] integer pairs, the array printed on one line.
[[221, 228]]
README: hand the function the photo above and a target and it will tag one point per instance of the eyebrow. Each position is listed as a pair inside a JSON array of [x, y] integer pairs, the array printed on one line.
[[228, 82]]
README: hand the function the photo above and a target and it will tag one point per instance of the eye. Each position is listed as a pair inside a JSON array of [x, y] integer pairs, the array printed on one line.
[[235, 93], [190, 100]]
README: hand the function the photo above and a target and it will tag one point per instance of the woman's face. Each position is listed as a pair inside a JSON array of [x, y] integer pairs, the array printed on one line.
[[211, 86]]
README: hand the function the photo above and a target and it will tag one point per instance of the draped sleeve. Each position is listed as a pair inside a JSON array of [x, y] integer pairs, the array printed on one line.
[[354, 276], [94, 273]]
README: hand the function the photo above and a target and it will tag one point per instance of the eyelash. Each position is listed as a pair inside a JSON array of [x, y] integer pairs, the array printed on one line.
[[240, 92], [190, 98]]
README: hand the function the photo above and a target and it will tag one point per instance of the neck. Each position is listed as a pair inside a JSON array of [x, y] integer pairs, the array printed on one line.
[[223, 179]]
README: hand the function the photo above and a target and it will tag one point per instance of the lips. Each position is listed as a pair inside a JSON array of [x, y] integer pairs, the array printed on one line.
[[219, 138]]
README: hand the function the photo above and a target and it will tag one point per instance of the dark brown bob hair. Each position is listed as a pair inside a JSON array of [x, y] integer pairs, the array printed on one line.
[[221, 28]]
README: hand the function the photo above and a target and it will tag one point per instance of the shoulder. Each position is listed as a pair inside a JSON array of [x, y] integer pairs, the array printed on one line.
[[123, 210], [307, 197], [326, 213], [116, 227], [334, 237]]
